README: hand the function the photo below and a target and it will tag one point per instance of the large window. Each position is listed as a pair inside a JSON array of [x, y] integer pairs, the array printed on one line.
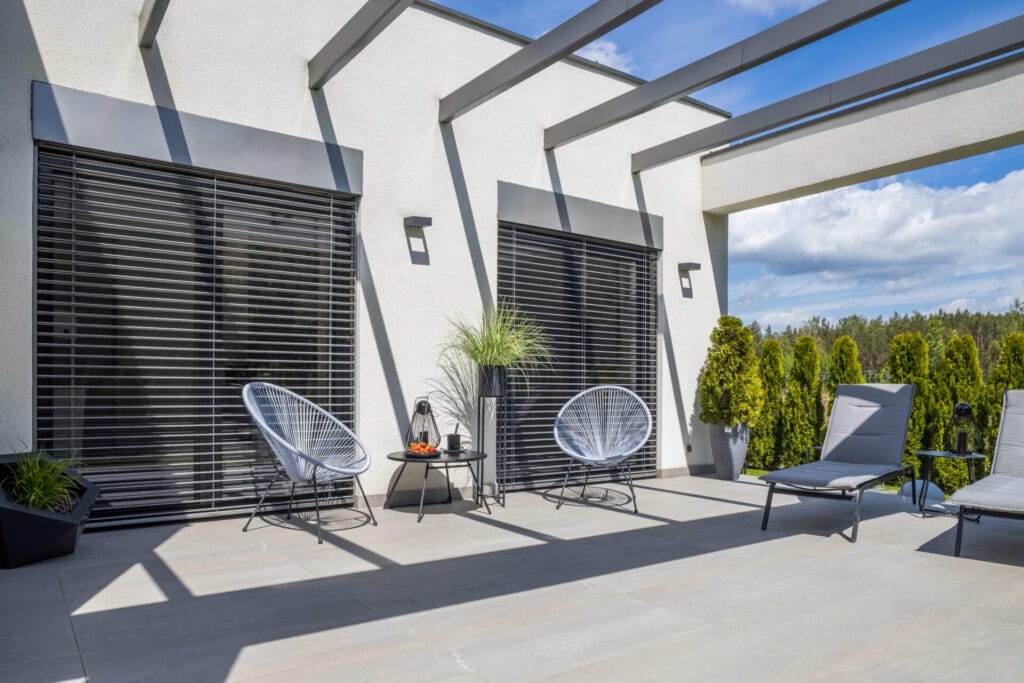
[[161, 291], [597, 302]]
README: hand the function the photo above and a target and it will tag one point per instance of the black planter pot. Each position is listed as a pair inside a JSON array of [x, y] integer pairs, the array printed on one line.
[[493, 380], [29, 535]]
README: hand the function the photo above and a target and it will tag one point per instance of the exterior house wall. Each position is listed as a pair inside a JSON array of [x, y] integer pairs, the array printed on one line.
[[245, 63]]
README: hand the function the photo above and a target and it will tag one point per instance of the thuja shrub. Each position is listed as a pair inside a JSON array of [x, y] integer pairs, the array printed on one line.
[[843, 366], [730, 387], [802, 411], [1008, 373], [765, 448], [908, 364], [957, 378]]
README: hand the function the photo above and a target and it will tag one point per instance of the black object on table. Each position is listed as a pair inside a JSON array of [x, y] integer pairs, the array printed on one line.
[[442, 459], [968, 458]]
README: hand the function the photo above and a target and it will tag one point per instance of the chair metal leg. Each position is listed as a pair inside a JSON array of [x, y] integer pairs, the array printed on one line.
[[423, 491], [565, 481], [856, 516], [959, 531], [291, 498], [586, 480], [262, 498], [366, 502], [767, 506], [316, 500], [629, 480]]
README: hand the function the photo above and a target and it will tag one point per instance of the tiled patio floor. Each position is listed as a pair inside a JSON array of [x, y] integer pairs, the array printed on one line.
[[690, 589]]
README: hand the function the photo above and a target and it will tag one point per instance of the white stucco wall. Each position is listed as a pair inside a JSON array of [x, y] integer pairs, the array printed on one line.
[[245, 62], [950, 120]]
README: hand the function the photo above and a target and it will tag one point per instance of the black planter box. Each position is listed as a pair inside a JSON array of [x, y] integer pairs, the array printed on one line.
[[29, 535], [493, 380]]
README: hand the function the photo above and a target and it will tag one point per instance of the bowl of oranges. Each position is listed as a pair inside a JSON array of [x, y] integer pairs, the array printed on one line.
[[422, 449]]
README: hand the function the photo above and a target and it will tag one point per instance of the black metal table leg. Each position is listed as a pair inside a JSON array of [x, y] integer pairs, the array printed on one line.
[[927, 482], [391, 488], [423, 491], [476, 487], [448, 481]]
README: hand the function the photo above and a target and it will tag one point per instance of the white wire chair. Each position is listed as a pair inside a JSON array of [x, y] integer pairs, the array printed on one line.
[[312, 445], [601, 427]]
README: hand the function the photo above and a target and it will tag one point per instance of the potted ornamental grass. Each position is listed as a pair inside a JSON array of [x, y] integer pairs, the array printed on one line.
[[504, 340], [730, 394], [44, 504]]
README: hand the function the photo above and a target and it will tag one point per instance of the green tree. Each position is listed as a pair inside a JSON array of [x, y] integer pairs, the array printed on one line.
[[730, 388], [843, 366], [802, 410], [908, 364], [1008, 373], [765, 449], [957, 378]]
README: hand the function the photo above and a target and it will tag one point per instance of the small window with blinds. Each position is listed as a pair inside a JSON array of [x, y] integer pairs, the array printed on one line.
[[161, 291], [597, 301]]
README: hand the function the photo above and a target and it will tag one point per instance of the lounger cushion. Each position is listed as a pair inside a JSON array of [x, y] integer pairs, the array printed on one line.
[[869, 424], [830, 474], [999, 492], [1009, 456]]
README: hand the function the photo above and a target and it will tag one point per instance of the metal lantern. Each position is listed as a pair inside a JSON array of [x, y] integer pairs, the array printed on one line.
[[963, 426], [422, 426]]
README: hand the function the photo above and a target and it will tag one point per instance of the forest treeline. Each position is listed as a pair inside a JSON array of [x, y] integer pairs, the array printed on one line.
[[948, 357], [874, 337]]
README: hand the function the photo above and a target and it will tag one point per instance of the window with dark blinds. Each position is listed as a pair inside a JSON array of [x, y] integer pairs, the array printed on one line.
[[597, 302], [161, 291]]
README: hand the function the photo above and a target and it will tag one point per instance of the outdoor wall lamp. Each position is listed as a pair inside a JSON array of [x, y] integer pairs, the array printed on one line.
[[684, 278], [416, 239], [418, 221]]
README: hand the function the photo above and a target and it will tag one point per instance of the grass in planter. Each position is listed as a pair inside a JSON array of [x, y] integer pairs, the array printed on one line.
[[39, 482]]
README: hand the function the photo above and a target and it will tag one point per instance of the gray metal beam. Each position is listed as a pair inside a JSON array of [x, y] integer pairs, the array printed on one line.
[[357, 33], [807, 27], [561, 41], [955, 54], [149, 20]]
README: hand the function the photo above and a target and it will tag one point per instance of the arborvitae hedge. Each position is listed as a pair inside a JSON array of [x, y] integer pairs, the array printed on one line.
[[1008, 373], [957, 378], [802, 411], [843, 366], [765, 451], [908, 364]]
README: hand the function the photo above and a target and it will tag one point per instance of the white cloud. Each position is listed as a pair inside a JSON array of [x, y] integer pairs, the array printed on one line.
[[876, 249], [606, 52], [772, 7]]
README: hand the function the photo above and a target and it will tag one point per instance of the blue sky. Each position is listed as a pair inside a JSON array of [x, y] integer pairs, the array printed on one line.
[[942, 237]]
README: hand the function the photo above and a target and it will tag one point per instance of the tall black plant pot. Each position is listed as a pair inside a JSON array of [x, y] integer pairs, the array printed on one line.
[[29, 535], [493, 381]]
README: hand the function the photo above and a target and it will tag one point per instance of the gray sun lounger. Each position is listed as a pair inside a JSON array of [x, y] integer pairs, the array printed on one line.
[[863, 448], [1001, 493]]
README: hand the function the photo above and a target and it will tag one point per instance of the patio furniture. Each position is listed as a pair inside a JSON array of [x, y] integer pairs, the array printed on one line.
[[602, 427], [1001, 493], [312, 445], [863, 448], [443, 459], [929, 464]]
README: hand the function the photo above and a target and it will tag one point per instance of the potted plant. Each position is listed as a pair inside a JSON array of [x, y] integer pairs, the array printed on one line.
[[730, 394], [505, 340], [43, 507]]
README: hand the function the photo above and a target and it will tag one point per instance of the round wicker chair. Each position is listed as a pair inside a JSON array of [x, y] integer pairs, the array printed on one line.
[[312, 445], [601, 427]]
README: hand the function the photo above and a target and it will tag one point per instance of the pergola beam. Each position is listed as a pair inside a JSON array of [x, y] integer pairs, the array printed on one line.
[[558, 43], [149, 20], [356, 34], [950, 56], [806, 27]]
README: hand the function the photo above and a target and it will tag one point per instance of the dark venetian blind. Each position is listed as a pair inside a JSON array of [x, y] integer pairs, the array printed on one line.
[[598, 303], [161, 291]]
